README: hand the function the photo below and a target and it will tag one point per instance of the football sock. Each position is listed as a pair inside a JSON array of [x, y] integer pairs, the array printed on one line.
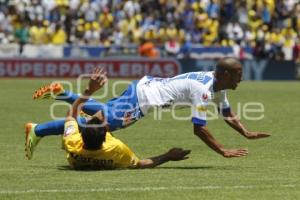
[[53, 127], [90, 107]]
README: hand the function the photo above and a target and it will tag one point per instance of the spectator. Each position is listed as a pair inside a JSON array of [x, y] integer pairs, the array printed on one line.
[[213, 9], [242, 13], [40, 32], [234, 31], [266, 13], [186, 47], [136, 33], [188, 18], [151, 34], [296, 50], [22, 35], [173, 32], [208, 38], [162, 34], [106, 19], [5, 37], [92, 35], [270, 27], [89, 11], [172, 47], [132, 7], [118, 36], [254, 20], [59, 36], [79, 32], [147, 49]]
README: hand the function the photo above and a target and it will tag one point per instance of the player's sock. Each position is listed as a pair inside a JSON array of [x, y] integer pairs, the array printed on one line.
[[56, 90], [90, 107], [67, 96], [50, 128], [53, 127]]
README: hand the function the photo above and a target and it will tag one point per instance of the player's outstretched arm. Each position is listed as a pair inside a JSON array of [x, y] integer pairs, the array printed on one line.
[[232, 120], [97, 80], [174, 154], [203, 133]]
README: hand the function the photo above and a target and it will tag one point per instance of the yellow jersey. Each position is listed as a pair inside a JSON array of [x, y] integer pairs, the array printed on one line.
[[59, 37], [113, 153]]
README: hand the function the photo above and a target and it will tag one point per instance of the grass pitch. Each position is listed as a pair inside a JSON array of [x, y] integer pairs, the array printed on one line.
[[270, 171]]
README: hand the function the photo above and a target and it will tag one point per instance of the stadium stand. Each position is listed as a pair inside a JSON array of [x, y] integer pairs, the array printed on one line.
[[255, 28]]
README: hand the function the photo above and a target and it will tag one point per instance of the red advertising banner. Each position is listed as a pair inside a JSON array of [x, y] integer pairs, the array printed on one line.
[[116, 68]]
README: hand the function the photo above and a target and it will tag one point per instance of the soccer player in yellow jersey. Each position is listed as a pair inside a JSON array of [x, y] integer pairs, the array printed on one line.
[[98, 149], [91, 146], [95, 148]]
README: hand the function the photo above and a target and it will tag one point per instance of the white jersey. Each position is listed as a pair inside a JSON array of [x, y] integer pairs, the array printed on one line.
[[195, 89]]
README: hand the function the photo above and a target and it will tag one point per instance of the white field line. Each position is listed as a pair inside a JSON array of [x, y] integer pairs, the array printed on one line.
[[142, 189]]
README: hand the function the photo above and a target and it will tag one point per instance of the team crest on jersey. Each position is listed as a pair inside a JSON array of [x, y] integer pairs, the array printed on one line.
[[130, 117], [205, 97], [69, 130], [201, 109], [127, 119]]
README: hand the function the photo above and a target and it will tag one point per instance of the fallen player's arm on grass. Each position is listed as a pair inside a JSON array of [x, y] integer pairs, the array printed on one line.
[[203, 133], [174, 154], [233, 121]]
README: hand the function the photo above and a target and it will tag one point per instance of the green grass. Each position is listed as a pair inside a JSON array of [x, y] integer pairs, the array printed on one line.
[[270, 171]]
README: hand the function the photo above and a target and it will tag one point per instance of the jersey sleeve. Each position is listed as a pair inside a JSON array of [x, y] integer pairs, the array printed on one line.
[[70, 129], [126, 158], [199, 107], [222, 102]]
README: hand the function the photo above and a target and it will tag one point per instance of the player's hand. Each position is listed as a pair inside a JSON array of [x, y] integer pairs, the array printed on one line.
[[176, 154], [97, 80], [230, 153], [256, 135]]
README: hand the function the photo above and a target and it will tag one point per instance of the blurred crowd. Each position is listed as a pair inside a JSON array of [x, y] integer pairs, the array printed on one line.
[[269, 28]]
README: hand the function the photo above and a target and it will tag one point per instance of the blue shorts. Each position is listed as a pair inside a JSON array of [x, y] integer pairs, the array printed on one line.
[[119, 112], [123, 110]]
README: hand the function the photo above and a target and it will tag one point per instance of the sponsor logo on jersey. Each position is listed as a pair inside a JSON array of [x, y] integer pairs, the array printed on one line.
[[69, 130], [130, 117], [201, 108], [92, 162], [205, 97]]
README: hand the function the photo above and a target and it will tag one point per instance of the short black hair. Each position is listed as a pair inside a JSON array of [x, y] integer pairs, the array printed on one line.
[[93, 134]]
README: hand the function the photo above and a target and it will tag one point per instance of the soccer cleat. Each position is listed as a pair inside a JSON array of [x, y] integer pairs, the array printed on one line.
[[48, 91], [31, 140]]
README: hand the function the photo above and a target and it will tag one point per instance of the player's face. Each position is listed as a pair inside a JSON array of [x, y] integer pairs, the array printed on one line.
[[235, 78]]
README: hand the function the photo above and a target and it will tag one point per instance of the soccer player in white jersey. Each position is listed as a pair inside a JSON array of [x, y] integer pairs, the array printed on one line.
[[195, 88], [198, 89]]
